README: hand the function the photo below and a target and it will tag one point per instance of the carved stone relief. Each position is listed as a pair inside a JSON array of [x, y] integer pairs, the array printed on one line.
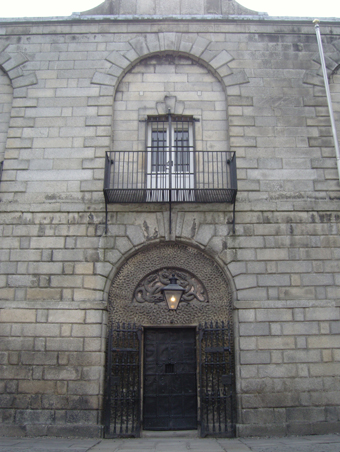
[[135, 293], [149, 290]]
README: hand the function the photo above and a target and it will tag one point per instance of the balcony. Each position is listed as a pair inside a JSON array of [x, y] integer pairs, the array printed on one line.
[[185, 176]]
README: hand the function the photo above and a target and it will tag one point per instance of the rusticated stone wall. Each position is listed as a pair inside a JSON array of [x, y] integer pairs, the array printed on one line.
[[52, 369], [68, 80]]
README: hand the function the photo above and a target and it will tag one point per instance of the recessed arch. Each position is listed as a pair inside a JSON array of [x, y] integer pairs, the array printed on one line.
[[189, 45]]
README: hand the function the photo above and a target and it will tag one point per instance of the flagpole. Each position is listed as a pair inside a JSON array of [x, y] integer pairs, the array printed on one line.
[[329, 100]]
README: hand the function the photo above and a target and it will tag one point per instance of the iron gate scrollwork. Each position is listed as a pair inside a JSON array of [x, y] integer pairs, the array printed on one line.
[[123, 382], [216, 380]]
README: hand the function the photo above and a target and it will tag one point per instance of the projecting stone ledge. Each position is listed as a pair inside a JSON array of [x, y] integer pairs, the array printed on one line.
[[170, 7]]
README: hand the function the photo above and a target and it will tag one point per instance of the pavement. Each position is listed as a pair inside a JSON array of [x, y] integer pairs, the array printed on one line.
[[322, 443]]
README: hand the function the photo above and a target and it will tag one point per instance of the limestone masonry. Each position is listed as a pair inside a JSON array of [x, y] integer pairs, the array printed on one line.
[[73, 88]]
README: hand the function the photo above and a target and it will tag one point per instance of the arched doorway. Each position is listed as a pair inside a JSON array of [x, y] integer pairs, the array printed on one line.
[[170, 370]]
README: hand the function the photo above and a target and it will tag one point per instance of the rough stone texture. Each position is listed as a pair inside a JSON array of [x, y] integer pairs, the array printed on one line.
[[53, 375], [80, 88]]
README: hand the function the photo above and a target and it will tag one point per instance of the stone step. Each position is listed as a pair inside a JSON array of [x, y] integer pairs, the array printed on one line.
[[170, 434]]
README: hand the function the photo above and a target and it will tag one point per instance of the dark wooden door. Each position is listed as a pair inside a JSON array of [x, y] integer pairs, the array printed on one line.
[[170, 388]]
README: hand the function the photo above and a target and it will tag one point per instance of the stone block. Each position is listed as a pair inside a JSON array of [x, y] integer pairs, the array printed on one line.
[[329, 341], [237, 78], [222, 58], [15, 373], [88, 359], [87, 330], [16, 343], [92, 373], [302, 356], [100, 78], [35, 330], [254, 357], [69, 316], [252, 294], [306, 414], [36, 387], [135, 234], [324, 313], [64, 344], [17, 315], [276, 343], [35, 417], [248, 343], [14, 62], [93, 316], [43, 294], [335, 327], [274, 315], [81, 417], [245, 281], [93, 344], [300, 328], [258, 416], [275, 254], [254, 329], [273, 280], [296, 293], [199, 46], [62, 373], [66, 281], [205, 233], [84, 388], [39, 358], [68, 255]]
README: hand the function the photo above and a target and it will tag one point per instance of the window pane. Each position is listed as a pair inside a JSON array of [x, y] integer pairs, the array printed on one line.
[[181, 148], [158, 150]]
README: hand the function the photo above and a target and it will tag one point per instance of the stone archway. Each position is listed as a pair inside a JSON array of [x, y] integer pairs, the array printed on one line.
[[174, 367]]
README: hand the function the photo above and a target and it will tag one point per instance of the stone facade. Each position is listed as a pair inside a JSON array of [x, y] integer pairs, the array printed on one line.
[[72, 89]]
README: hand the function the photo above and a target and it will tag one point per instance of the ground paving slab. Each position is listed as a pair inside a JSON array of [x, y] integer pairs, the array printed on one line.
[[322, 443]]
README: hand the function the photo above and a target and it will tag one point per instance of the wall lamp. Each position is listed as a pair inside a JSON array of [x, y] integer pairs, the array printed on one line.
[[172, 293]]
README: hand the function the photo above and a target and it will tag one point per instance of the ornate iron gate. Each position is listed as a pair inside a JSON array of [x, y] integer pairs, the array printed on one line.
[[123, 382], [216, 380]]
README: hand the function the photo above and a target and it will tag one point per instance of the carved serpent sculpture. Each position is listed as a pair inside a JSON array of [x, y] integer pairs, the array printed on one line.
[[149, 290]]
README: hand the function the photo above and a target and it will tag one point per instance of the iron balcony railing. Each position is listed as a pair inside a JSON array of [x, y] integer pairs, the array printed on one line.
[[176, 176]]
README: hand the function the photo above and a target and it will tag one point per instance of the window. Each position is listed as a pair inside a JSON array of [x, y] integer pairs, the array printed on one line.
[[170, 169], [170, 158]]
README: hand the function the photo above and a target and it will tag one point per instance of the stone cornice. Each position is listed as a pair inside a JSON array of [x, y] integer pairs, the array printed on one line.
[[76, 17]]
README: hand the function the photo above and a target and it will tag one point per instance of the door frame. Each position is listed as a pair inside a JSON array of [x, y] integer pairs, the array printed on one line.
[[217, 343]]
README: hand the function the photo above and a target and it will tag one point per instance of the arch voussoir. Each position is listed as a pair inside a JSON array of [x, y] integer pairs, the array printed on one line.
[[332, 60], [194, 46], [10, 65]]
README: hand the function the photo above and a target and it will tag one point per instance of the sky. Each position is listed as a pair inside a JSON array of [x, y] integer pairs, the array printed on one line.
[[43, 8]]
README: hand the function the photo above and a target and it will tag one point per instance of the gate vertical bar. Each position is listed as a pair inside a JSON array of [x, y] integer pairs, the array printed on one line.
[[216, 380], [108, 385], [122, 410]]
